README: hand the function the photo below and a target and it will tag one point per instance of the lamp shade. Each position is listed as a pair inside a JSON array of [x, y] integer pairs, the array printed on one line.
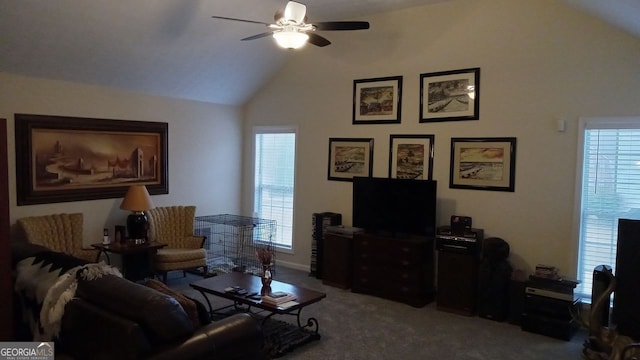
[[137, 199]]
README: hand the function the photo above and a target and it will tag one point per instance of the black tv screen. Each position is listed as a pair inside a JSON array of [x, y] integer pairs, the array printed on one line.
[[395, 206]]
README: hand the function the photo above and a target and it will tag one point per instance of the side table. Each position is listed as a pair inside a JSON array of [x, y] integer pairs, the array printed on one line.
[[137, 259]]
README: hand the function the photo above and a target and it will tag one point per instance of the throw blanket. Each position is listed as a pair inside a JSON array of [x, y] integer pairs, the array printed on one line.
[[46, 283]]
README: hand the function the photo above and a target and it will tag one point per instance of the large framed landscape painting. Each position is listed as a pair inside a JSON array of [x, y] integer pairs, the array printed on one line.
[[60, 158], [483, 163], [349, 157]]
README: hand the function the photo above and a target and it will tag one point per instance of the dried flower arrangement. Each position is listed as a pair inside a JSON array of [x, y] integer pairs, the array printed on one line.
[[264, 255]]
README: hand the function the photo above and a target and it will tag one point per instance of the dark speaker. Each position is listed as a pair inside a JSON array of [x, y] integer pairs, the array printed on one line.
[[457, 282], [495, 250], [626, 312], [516, 300], [600, 283], [320, 221], [493, 290]]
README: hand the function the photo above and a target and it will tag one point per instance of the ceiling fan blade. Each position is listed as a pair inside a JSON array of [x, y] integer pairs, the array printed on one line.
[[317, 40], [295, 11], [341, 25], [258, 36], [243, 20]]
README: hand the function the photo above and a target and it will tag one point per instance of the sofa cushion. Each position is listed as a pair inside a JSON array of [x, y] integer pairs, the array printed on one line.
[[159, 314], [187, 304]]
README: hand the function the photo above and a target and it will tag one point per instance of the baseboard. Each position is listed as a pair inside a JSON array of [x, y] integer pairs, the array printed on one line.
[[291, 265]]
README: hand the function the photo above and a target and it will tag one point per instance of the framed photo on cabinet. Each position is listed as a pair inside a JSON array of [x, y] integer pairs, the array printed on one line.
[[349, 157], [411, 157]]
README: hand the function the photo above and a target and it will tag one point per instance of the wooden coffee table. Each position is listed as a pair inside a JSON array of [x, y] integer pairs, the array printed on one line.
[[217, 285]]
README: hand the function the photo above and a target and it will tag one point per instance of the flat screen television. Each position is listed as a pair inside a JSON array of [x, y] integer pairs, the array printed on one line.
[[395, 206]]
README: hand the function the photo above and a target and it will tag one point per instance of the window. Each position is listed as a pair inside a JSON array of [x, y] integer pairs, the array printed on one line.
[[275, 150], [610, 189]]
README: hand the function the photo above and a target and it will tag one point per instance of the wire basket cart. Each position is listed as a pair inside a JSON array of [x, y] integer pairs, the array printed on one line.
[[232, 241]]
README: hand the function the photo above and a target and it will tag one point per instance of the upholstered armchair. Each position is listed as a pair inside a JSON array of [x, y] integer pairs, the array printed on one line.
[[58, 232], [173, 225]]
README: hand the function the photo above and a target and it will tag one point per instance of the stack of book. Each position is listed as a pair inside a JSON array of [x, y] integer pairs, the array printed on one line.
[[278, 298], [546, 271]]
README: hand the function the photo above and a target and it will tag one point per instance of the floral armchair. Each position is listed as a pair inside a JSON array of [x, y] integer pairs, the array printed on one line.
[[173, 225], [58, 232]]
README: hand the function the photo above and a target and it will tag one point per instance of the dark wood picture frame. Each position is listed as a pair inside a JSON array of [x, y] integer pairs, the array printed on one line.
[[450, 95], [483, 163], [62, 158], [411, 156], [349, 157], [377, 101]]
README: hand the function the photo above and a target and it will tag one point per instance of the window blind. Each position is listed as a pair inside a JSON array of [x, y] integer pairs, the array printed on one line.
[[610, 190], [274, 182]]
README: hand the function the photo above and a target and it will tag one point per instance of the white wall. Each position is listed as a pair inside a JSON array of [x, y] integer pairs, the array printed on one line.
[[539, 60], [205, 146]]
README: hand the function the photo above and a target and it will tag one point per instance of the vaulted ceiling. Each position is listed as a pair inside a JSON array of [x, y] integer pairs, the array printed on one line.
[[175, 49]]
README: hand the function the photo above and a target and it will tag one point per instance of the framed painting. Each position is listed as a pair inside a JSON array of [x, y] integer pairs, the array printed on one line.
[[450, 95], [377, 101], [483, 163], [349, 158], [411, 157], [60, 158]]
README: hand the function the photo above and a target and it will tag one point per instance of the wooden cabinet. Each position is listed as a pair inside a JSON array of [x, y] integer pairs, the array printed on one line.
[[457, 282], [396, 268], [338, 262]]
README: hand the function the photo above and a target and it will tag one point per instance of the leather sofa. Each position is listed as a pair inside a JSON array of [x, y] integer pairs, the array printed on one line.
[[113, 318]]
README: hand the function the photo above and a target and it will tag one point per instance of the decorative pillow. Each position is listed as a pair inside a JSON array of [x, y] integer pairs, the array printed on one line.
[[187, 304]]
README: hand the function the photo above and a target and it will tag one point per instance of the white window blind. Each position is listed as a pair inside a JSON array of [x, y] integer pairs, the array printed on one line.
[[274, 180], [610, 190]]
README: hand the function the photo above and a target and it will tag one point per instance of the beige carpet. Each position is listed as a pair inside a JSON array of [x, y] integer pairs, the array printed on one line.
[[356, 326]]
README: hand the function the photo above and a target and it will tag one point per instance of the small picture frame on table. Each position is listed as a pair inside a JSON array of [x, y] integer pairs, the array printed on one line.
[[120, 235]]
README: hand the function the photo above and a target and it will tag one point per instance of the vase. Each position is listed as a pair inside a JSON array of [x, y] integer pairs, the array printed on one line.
[[265, 277]]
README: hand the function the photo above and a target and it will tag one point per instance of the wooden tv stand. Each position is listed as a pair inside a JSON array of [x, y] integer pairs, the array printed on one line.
[[395, 268]]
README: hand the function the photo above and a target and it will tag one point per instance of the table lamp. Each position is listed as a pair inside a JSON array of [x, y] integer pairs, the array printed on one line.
[[138, 201]]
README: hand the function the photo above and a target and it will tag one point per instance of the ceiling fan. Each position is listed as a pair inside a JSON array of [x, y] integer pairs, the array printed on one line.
[[292, 31]]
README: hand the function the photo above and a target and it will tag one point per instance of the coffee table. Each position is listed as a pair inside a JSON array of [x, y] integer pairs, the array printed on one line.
[[217, 285]]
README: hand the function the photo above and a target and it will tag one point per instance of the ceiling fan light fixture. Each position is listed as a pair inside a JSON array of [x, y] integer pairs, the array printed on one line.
[[290, 39], [294, 11]]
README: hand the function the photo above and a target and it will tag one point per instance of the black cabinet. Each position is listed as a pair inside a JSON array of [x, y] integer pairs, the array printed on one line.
[[458, 260], [457, 282], [550, 315], [396, 268]]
